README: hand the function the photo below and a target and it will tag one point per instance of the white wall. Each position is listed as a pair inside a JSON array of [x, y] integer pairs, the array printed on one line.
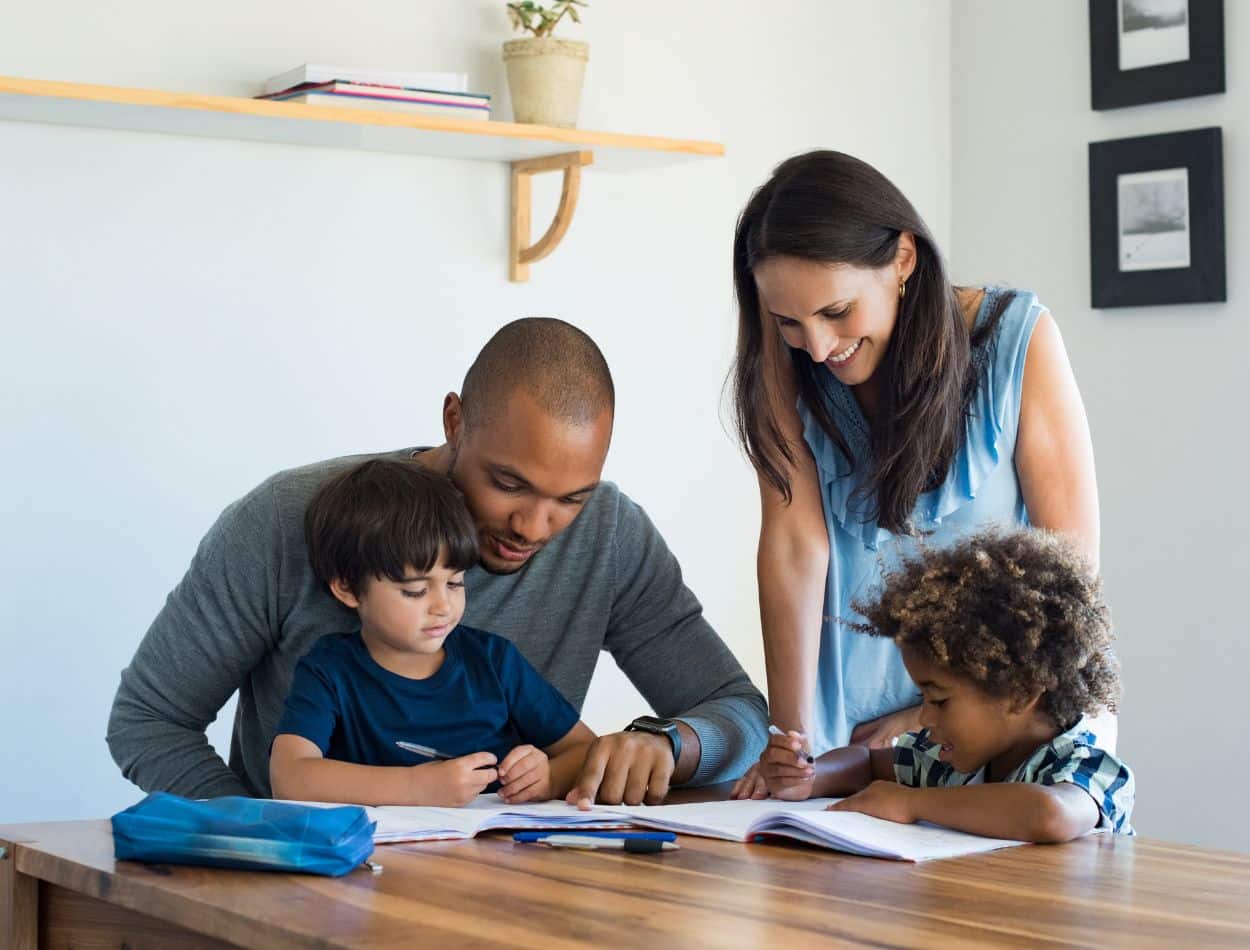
[[182, 317], [1166, 389]]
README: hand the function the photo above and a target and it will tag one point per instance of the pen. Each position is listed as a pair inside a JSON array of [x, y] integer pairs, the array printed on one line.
[[805, 756], [539, 837], [424, 750], [589, 843]]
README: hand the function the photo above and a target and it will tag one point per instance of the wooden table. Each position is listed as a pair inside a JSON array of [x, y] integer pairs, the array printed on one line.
[[60, 887]]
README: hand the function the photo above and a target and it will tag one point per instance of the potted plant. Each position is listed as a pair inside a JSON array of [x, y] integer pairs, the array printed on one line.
[[544, 73]]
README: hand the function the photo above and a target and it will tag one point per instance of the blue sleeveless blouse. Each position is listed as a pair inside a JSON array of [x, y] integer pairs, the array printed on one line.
[[861, 677]]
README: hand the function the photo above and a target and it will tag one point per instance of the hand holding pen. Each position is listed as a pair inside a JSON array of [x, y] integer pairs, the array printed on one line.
[[787, 765], [448, 781]]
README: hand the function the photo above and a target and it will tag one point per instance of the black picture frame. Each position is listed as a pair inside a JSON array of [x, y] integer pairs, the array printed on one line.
[[1200, 75], [1117, 277]]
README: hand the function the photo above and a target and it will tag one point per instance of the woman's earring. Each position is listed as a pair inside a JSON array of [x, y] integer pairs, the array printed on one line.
[[902, 289]]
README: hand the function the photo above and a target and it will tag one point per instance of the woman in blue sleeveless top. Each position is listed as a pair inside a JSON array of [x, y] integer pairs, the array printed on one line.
[[881, 408]]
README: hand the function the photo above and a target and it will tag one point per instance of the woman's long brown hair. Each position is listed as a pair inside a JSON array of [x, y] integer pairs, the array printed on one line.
[[829, 207]]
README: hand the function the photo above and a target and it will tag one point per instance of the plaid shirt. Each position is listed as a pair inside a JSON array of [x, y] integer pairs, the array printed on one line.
[[1069, 757]]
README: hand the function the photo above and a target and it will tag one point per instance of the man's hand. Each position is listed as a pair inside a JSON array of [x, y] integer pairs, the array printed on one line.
[[784, 765], [881, 732], [526, 776], [882, 799], [629, 767], [455, 782]]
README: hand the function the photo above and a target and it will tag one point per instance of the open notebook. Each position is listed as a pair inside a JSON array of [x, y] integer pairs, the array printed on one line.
[[809, 822], [396, 823], [730, 820]]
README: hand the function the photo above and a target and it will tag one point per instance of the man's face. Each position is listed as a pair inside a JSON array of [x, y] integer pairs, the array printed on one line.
[[525, 476]]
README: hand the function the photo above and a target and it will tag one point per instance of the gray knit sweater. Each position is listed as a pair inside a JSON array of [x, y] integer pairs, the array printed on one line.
[[249, 607]]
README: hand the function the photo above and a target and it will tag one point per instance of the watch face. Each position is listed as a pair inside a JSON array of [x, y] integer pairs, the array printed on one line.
[[649, 724]]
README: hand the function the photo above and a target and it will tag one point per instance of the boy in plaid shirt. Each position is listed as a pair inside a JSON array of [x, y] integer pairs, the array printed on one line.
[[1008, 640]]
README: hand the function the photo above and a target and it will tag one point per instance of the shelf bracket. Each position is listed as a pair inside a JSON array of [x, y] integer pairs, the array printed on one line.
[[521, 253]]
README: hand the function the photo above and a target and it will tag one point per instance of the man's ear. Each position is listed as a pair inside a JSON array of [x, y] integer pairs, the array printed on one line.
[[343, 594], [453, 420]]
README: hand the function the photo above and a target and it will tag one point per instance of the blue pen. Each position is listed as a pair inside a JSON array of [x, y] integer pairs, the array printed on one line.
[[633, 842], [529, 837]]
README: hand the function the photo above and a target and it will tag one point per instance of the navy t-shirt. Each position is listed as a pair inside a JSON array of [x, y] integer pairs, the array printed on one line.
[[486, 697]]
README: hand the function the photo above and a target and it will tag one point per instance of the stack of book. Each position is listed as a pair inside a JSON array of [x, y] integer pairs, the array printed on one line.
[[426, 93]]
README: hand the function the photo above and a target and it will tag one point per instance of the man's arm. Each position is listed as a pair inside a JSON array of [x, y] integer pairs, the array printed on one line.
[[216, 625], [660, 639]]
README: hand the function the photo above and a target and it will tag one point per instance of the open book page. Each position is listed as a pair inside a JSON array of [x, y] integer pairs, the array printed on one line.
[[875, 837], [396, 823], [731, 820], [427, 823], [808, 821]]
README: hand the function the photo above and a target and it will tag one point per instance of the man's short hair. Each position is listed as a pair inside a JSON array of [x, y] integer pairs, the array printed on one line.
[[555, 363], [384, 517]]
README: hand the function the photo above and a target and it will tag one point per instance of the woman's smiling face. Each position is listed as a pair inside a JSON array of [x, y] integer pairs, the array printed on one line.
[[842, 316]]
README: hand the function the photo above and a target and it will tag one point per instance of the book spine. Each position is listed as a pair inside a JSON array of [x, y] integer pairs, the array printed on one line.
[[364, 97]]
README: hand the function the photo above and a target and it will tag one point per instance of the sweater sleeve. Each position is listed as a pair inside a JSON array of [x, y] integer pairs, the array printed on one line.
[[660, 639], [215, 627]]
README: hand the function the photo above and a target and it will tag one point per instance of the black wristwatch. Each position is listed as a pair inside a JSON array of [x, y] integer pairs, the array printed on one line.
[[659, 727]]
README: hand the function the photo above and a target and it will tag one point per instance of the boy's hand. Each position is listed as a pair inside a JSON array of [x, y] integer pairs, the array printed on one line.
[[882, 799], [785, 769], [751, 785], [526, 776], [455, 782]]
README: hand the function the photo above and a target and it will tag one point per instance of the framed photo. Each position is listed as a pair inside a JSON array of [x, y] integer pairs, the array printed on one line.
[[1151, 50], [1156, 219]]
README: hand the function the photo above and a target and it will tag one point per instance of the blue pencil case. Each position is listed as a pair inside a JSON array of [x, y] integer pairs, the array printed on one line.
[[251, 833]]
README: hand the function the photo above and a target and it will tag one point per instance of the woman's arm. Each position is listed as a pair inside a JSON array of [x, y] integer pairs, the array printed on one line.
[[298, 771], [1054, 452], [1055, 460], [792, 566], [1016, 810]]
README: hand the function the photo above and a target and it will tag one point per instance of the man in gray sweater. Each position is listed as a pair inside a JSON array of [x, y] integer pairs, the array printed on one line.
[[569, 567]]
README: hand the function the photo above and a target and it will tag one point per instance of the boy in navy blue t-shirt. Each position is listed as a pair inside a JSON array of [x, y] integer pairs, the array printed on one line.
[[392, 541]]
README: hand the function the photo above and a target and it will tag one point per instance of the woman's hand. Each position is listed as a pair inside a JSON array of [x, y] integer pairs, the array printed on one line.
[[881, 732], [787, 767], [881, 799]]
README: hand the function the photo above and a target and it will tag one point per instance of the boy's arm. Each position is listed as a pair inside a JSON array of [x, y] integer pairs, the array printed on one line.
[[1020, 811], [298, 771], [566, 758], [846, 771], [838, 772], [529, 774]]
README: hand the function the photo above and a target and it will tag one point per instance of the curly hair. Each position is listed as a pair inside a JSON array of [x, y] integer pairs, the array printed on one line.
[[1018, 612]]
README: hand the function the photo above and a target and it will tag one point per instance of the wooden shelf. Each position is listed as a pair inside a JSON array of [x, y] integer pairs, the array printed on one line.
[[176, 113]]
